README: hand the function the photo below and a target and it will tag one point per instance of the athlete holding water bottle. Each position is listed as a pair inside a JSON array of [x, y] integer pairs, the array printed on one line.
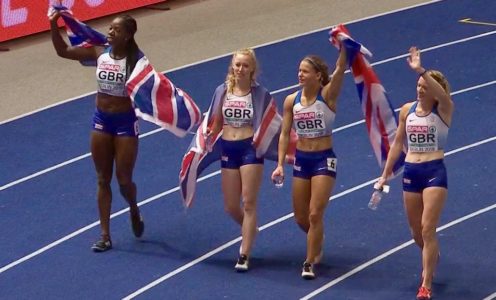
[[425, 124], [311, 111]]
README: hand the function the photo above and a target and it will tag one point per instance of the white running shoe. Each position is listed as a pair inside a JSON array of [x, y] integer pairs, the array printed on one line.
[[242, 263], [307, 271]]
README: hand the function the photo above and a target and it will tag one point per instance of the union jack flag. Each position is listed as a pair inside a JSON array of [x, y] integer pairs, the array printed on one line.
[[79, 34], [204, 151], [379, 114], [156, 99]]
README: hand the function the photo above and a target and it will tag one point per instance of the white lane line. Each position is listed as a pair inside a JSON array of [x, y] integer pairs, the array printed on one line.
[[230, 53], [73, 160], [380, 62], [46, 107], [390, 252], [44, 171], [473, 87], [65, 163], [152, 198], [490, 297], [230, 243], [94, 224], [63, 239], [39, 173], [348, 191]]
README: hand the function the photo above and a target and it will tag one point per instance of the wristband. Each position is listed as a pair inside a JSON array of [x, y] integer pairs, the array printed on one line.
[[421, 74]]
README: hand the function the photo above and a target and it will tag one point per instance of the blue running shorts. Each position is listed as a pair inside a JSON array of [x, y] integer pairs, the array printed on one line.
[[116, 124], [238, 153], [309, 164], [418, 176]]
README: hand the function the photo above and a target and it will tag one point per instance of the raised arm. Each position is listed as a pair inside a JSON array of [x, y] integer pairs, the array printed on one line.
[[66, 51], [445, 104], [332, 89]]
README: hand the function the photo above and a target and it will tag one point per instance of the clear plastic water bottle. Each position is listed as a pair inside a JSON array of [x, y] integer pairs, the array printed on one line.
[[377, 196], [278, 181]]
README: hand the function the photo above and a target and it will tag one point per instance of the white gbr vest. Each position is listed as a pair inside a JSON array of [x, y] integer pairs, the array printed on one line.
[[312, 121], [238, 110], [425, 133], [111, 75]]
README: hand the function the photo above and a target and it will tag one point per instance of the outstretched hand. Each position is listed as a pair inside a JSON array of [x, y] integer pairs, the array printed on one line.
[[53, 14], [414, 59]]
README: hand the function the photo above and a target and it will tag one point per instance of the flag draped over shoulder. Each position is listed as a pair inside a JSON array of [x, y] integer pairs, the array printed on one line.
[[155, 97], [379, 114], [202, 151]]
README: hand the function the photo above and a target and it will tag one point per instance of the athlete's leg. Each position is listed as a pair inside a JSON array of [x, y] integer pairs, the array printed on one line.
[[434, 199], [414, 208], [322, 186], [231, 188], [301, 202], [102, 152], [126, 151], [251, 177]]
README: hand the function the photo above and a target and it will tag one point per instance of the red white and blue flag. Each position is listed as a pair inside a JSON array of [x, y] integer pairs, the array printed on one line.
[[202, 151], [79, 34], [156, 99], [379, 114]]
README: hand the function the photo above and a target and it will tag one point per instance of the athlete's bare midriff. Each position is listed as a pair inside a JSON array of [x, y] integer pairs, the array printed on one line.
[[113, 104], [230, 133], [420, 157], [314, 144]]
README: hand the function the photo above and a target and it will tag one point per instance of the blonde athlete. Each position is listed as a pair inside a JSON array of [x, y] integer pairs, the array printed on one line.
[[424, 123], [238, 108]]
